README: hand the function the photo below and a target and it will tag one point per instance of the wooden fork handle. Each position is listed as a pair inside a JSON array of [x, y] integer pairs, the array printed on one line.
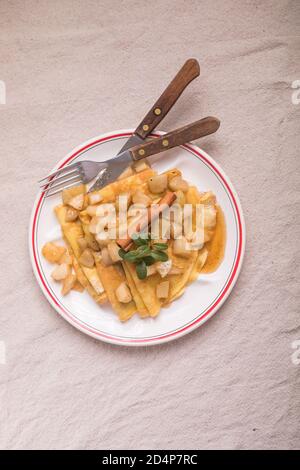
[[186, 74], [180, 136]]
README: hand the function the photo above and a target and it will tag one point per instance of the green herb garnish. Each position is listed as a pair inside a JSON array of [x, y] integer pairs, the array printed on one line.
[[160, 246], [140, 240], [144, 254], [159, 255], [141, 270]]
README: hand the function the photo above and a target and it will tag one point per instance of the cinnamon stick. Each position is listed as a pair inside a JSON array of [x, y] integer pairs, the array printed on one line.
[[152, 214]]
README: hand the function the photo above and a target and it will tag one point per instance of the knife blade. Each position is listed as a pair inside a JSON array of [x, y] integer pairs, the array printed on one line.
[[114, 168], [131, 142], [188, 72]]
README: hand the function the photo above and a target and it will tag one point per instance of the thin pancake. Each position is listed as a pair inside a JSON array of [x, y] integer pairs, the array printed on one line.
[[200, 261], [179, 281], [147, 290], [110, 191], [141, 307], [99, 298], [111, 277], [72, 231]]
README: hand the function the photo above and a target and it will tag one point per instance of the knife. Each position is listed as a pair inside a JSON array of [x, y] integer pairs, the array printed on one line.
[[188, 72], [115, 166]]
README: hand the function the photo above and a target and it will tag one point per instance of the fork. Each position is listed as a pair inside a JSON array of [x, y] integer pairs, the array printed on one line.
[[71, 175], [109, 170]]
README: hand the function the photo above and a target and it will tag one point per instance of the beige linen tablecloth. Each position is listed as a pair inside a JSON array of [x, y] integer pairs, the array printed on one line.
[[75, 69]]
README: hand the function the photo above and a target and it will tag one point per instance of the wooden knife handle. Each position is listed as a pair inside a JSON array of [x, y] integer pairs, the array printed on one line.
[[180, 136], [186, 74]]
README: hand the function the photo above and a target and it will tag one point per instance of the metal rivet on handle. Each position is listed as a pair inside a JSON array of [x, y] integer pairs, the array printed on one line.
[[142, 152], [145, 127], [157, 111], [165, 142]]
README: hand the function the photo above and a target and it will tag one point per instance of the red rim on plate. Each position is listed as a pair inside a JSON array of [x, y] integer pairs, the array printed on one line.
[[154, 339]]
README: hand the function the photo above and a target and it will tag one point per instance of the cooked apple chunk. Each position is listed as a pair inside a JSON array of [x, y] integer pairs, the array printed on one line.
[[151, 270], [180, 197], [123, 293], [68, 284], [68, 194], [82, 242], [53, 252], [92, 243], [178, 184], [77, 202], [66, 258], [141, 165], [157, 184], [92, 210], [162, 290], [102, 239], [94, 225], [210, 217], [71, 214], [106, 259], [126, 173], [197, 240], [61, 272], [181, 247], [113, 250], [164, 267], [94, 198], [87, 258], [207, 198]]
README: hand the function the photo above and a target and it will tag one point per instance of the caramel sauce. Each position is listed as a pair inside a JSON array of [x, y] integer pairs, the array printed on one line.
[[216, 246]]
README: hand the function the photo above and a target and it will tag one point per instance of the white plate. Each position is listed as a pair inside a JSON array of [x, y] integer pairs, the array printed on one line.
[[201, 299]]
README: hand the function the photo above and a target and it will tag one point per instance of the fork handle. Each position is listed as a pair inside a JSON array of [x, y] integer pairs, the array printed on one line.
[[180, 136], [186, 74]]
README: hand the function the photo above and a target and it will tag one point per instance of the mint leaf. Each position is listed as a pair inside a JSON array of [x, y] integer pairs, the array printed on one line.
[[149, 260], [122, 253], [130, 256], [159, 255], [160, 246], [141, 270], [143, 251]]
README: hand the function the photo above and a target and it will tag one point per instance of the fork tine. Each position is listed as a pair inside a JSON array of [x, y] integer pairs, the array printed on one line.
[[63, 185], [49, 193], [59, 190], [60, 170], [59, 179]]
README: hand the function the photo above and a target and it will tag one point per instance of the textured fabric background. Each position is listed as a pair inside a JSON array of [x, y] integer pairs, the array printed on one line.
[[74, 69]]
